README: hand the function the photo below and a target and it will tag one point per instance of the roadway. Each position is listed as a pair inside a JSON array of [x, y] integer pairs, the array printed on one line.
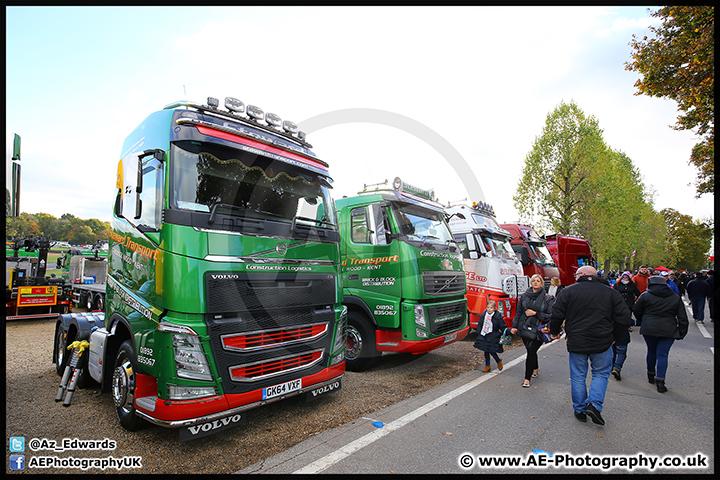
[[482, 417]]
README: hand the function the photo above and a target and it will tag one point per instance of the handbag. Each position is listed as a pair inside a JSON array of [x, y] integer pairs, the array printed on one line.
[[506, 337], [529, 330], [544, 332]]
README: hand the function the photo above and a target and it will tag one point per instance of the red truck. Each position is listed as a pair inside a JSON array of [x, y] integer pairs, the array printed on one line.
[[533, 252], [569, 253]]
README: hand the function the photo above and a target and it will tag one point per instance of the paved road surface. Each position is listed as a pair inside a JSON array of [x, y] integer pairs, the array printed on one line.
[[480, 416]]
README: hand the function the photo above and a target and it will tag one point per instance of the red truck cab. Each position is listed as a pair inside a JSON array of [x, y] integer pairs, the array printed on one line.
[[569, 253], [532, 250]]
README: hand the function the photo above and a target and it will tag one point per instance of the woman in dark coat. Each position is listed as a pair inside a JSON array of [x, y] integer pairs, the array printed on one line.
[[533, 303], [629, 292], [663, 319], [489, 333]]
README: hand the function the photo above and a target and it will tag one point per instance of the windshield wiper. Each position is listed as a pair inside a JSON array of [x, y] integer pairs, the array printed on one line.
[[223, 205], [298, 217]]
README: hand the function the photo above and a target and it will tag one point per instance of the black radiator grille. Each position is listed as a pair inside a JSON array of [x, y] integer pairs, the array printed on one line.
[[444, 283], [446, 318], [255, 302]]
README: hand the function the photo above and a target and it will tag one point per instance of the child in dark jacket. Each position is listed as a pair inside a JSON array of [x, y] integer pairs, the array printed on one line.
[[488, 335]]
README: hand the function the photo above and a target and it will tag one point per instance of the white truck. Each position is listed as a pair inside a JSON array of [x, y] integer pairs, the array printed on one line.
[[492, 270]]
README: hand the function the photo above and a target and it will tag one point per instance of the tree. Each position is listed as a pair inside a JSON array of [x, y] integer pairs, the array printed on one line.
[[679, 63], [687, 240], [555, 180]]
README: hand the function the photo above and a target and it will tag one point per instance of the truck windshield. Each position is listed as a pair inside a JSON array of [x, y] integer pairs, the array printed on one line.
[[540, 253], [422, 225], [207, 176], [499, 245]]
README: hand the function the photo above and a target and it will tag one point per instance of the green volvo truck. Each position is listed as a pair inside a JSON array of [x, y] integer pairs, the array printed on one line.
[[403, 277], [223, 281]]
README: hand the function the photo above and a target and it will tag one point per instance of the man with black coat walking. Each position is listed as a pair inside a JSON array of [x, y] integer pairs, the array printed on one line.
[[595, 316]]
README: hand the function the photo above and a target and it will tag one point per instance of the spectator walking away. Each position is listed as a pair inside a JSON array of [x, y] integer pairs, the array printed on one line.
[[488, 335], [555, 287], [698, 290], [629, 292], [641, 278], [670, 283], [595, 316], [663, 319], [683, 283], [534, 306], [711, 298]]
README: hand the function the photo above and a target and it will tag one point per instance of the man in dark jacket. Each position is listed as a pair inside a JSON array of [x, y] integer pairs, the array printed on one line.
[[698, 291], [595, 317]]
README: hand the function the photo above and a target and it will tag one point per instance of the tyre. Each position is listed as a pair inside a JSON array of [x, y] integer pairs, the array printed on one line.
[[100, 302], [360, 351], [61, 355], [89, 302], [124, 381]]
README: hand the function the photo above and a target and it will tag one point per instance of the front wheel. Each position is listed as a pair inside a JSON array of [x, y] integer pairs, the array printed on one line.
[[60, 354], [124, 381], [360, 351]]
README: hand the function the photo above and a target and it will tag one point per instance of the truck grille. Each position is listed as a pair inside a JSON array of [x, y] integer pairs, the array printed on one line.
[[444, 283], [265, 327], [274, 366], [447, 318], [245, 342]]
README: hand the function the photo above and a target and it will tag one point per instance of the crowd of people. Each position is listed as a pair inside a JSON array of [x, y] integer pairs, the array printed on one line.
[[598, 320]]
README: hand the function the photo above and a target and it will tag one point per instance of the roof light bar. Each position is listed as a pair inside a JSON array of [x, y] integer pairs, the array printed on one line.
[[237, 108]]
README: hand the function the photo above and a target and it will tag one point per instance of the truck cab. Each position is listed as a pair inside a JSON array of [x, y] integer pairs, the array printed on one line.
[[402, 271], [532, 250], [223, 290], [569, 253], [492, 270]]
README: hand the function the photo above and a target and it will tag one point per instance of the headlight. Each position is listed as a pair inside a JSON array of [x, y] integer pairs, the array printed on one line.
[[182, 392], [420, 316], [190, 360]]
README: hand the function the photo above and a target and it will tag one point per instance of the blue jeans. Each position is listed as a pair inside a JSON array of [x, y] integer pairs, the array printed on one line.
[[658, 350], [601, 364], [619, 356], [494, 355], [698, 308]]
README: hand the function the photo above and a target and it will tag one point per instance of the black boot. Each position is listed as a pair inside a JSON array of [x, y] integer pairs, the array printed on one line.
[[660, 384], [651, 377]]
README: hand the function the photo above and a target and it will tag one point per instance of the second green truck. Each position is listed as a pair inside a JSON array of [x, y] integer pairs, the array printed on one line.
[[403, 277]]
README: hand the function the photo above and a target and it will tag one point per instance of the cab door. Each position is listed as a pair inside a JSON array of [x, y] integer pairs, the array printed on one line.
[[372, 263]]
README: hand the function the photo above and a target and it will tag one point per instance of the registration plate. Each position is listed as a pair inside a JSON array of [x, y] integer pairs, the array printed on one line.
[[282, 389], [450, 338]]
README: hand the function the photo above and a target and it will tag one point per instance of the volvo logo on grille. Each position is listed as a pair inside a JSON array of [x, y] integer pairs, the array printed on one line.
[[281, 249], [225, 276]]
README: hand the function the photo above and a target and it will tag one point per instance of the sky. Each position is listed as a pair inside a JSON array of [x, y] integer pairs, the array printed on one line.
[[448, 98]]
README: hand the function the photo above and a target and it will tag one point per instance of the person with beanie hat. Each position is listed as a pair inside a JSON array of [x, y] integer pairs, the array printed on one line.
[[662, 317]]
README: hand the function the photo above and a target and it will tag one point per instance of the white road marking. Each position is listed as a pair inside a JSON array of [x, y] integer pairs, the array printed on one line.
[[352, 447]]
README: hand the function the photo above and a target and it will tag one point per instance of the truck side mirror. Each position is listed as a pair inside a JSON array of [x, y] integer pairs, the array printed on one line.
[[471, 246]]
